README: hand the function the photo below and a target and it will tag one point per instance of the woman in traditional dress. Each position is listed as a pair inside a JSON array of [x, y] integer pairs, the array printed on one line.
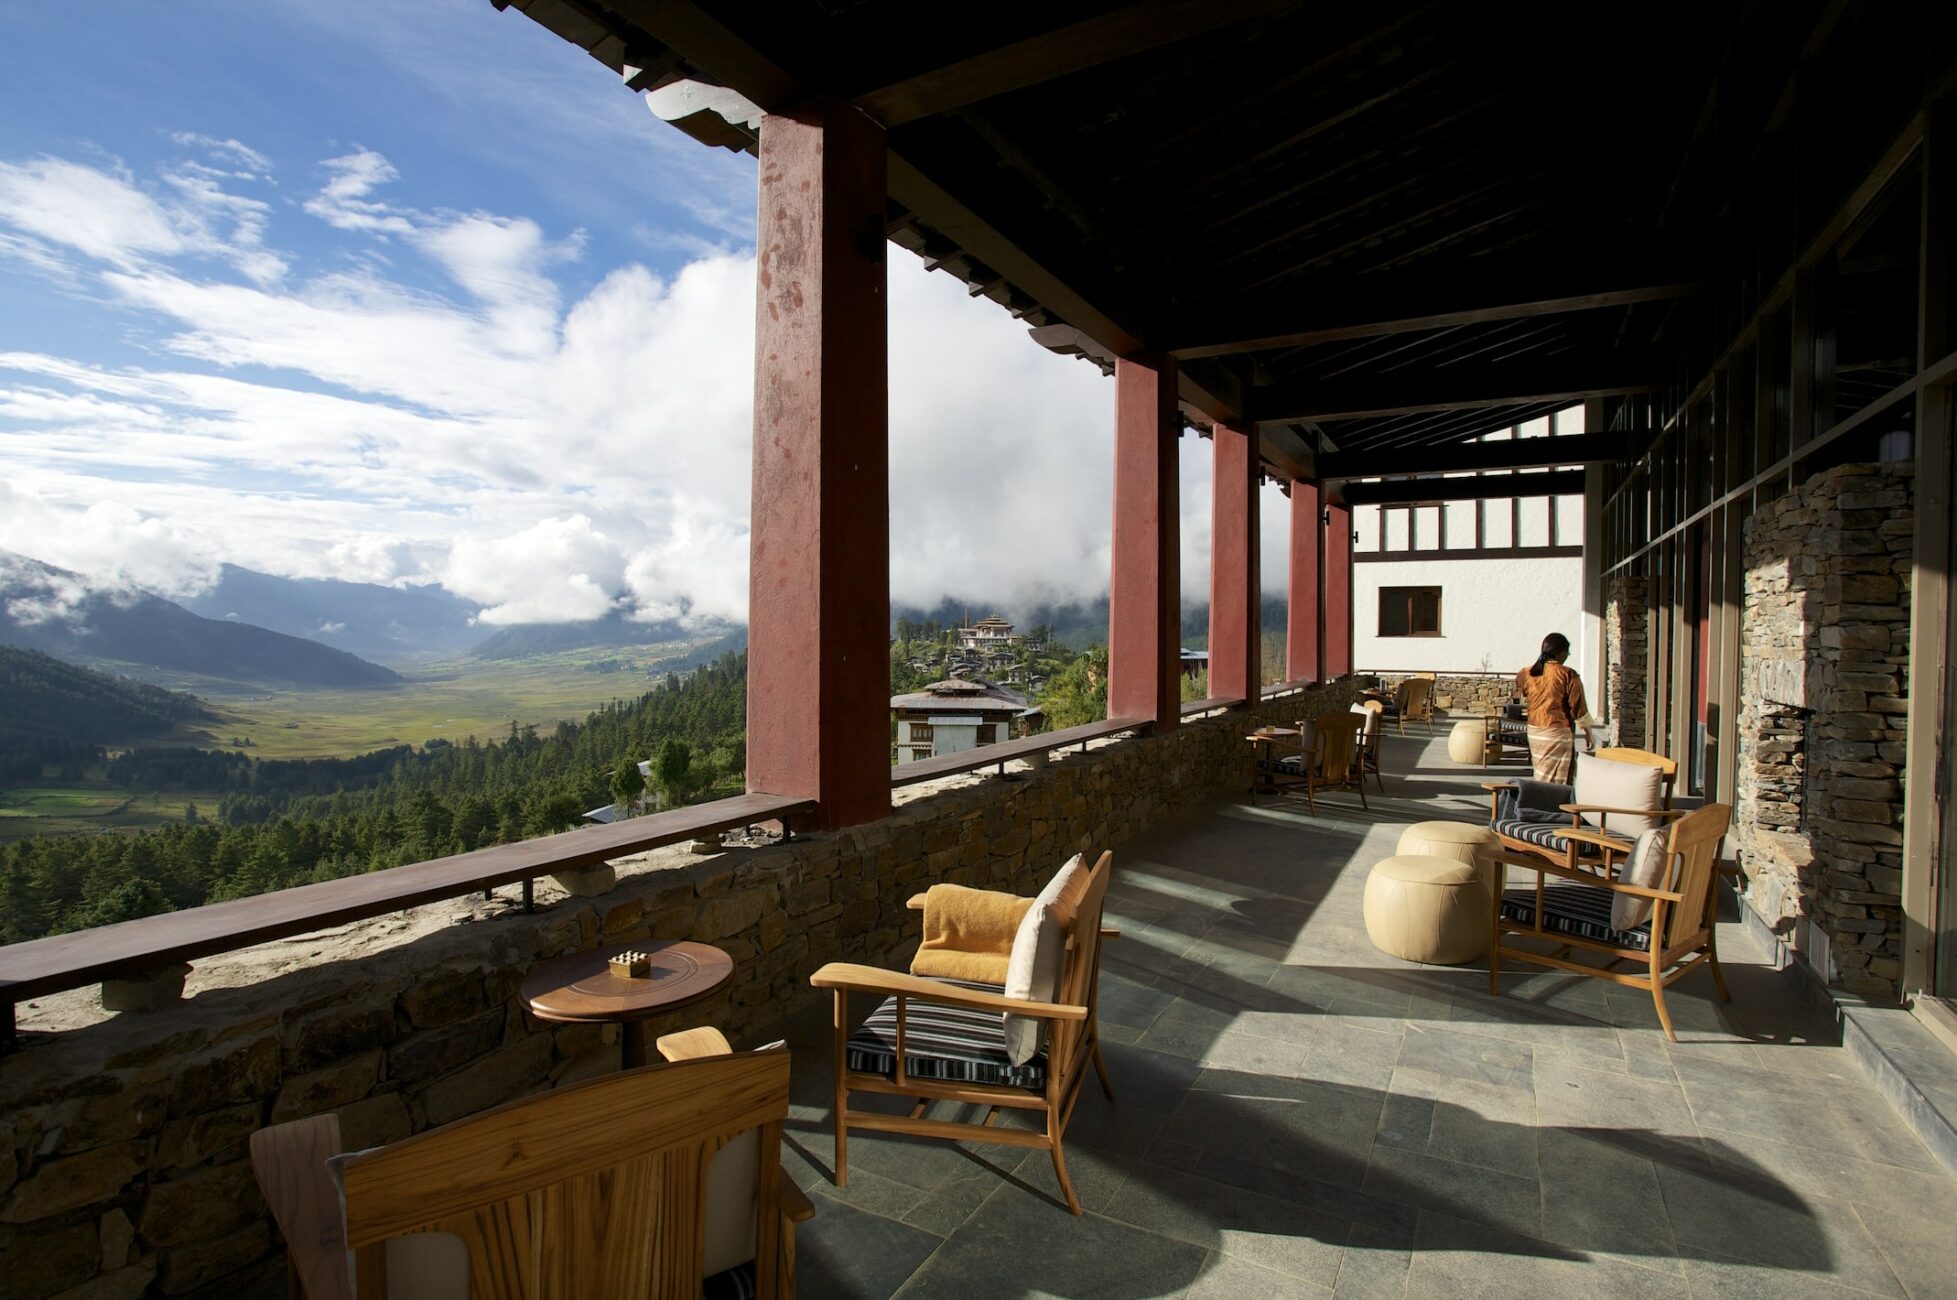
[[1554, 698]]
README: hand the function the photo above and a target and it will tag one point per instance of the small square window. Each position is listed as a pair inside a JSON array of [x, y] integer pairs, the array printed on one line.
[[1409, 611]]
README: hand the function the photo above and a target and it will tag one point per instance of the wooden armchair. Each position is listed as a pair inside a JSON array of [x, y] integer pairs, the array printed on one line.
[[1578, 910], [1602, 791], [1372, 713], [1413, 701], [601, 1188], [943, 1041], [1340, 763]]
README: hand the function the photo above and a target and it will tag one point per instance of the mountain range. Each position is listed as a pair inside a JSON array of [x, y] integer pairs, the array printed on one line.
[[261, 628], [389, 624], [63, 614]]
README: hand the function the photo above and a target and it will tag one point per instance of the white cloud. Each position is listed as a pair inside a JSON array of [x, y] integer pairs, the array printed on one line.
[[98, 213], [548, 459], [235, 152], [109, 542], [556, 571], [345, 204]]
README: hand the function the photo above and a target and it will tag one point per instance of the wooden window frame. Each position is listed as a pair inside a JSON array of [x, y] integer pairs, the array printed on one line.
[[1410, 594]]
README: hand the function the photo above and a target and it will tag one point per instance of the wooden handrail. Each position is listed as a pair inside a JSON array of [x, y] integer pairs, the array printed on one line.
[[134, 948], [970, 760], [1286, 688], [1214, 702]]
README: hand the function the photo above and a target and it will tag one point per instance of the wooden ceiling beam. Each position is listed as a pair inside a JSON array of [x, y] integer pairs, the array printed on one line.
[[1453, 458], [1363, 397], [1090, 43], [1369, 311], [1424, 491]]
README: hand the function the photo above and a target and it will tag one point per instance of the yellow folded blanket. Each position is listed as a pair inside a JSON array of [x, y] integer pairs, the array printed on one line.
[[968, 933]]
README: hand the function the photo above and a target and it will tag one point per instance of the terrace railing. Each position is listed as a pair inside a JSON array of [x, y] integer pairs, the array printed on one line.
[[143, 947]]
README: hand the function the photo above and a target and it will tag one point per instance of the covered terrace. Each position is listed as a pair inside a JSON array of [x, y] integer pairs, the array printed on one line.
[[1344, 243]]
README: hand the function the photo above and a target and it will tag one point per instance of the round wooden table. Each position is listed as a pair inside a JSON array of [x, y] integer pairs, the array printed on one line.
[[581, 989]]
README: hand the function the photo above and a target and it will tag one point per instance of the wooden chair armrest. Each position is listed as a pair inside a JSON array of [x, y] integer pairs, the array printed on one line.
[[1498, 786], [1577, 808], [1106, 933], [290, 1163], [1599, 882], [796, 1206], [1599, 839], [693, 1044], [869, 979]]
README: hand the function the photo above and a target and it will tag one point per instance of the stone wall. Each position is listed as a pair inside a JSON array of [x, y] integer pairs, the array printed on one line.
[[122, 1157], [1824, 686], [1467, 693], [1627, 621]]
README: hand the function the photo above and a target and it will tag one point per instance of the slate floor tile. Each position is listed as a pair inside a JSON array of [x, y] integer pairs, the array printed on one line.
[[1229, 1277], [1454, 1258], [849, 1254], [1296, 1113], [1766, 1222], [1469, 1192], [1089, 1257]]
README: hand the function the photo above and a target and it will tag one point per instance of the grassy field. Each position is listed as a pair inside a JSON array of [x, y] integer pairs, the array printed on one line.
[[447, 701], [91, 806]]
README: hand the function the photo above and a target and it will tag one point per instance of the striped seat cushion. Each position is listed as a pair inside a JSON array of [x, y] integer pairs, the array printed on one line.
[[737, 1283], [949, 1044], [1548, 835], [1530, 831], [1581, 911]]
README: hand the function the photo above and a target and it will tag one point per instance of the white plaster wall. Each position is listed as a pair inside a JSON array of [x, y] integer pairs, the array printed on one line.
[[1494, 613]]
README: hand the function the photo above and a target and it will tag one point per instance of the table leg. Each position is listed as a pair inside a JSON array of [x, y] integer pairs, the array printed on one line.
[[632, 1049]]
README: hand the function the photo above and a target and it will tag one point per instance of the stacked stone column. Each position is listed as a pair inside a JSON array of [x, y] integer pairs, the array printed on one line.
[[1825, 638]]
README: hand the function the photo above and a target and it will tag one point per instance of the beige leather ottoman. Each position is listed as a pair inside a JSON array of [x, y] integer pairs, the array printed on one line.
[[1428, 909], [1468, 742], [1462, 841]]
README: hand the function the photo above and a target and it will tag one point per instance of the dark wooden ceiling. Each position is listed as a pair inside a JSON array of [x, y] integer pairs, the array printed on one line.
[[1364, 226]]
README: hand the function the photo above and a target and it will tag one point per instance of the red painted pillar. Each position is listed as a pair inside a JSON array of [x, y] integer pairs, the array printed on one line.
[[1144, 589], [1236, 605], [1302, 612], [1338, 592], [818, 687]]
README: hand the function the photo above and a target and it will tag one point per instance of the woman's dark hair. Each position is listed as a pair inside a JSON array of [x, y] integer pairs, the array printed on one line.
[[1554, 646]]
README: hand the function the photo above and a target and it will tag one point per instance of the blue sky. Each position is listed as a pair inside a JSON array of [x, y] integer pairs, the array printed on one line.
[[412, 292]]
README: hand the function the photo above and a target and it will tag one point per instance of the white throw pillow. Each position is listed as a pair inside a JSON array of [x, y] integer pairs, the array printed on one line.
[[1648, 867], [733, 1180], [1067, 888], [1607, 783], [420, 1265], [1033, 973]]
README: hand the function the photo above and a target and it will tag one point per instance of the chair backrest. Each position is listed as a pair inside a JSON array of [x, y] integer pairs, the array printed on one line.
[[1693, 850], [594, 1189], [1080, 975], [1338, 745], [1645, 758], [1370, 711], [1416, 696]]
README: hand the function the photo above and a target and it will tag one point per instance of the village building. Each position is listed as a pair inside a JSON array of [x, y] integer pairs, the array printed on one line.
[[952, 716], [988, 633]]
